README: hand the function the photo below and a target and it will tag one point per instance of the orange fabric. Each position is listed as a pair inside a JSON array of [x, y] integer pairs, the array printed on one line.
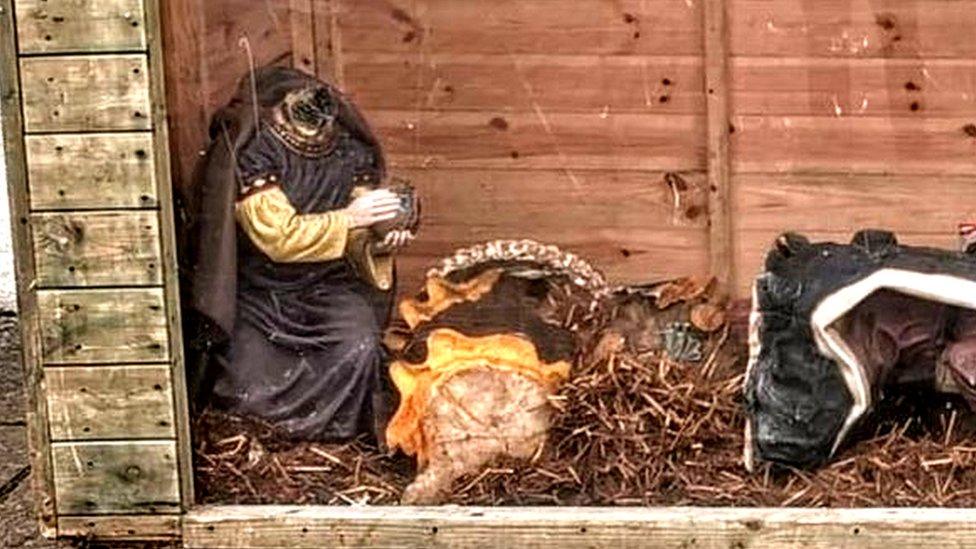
[[450, 353], [442, 294]]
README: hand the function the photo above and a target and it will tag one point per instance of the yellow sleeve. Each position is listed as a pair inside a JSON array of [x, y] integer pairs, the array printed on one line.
[[286, 236]]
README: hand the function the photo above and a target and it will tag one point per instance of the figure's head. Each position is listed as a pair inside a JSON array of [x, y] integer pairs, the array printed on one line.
[[311, 109]]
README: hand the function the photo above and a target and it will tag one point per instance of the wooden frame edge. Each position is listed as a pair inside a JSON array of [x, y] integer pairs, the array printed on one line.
[[167, 225], [254, 527], [38, 436], [721, 252]]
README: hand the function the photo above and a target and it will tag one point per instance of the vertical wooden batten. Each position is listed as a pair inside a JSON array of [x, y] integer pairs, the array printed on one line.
[[721, 251], [36, 413], [169, 252], [303, 35]]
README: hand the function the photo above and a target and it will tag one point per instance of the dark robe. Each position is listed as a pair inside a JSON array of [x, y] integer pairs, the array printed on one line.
[[298, 344]]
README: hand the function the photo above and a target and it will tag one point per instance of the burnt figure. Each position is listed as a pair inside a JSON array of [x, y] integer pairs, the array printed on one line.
[[291, 261], [833, 326]]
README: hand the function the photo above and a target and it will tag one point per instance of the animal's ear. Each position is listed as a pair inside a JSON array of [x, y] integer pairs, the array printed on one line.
[[790, 244], [874, 240]]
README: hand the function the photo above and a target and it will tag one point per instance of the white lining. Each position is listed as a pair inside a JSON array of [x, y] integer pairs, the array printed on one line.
[[937, 287], [755, 345]]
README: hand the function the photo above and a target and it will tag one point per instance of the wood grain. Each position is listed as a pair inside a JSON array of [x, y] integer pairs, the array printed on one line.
[[110, 402], [720, 253], [85, 93], [302, 24], [552, 200], [103, 326], [229, 24], [521, 83], [626, 256], [35, 409], [900, 88], [846, 203], [131, 477], [121, 527], [168, 246], [86, 171], [542, 140], [859, 28], [308, 527], [932, 146], [97, 249], [63, 26], [183, 57], [622, 27]]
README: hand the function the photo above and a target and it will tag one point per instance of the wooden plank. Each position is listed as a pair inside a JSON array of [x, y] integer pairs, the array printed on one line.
[[130, 477], [623, 27], [859, 28], [103, 326], [632, 225], [506, 83], [121, 527], [552, 201], [933, 146], [903, 203], [42, 479], [266, 27], [542, 140], [752, 245], [110, 402], [167, 215], [182, 35], [85, 93], [911, 88], [720, 253], [97, 249], [329, 56], [361, 526], [86, 171], [303, 43], [63, 26], [625, 255]]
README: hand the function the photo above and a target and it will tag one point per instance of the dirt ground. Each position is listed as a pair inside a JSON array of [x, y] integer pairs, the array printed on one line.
[[18, 528]]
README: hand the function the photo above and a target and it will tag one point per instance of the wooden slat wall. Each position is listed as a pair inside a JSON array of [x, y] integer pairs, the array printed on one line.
[[566, 97], [851, 114], [99, 240], [533, 119]]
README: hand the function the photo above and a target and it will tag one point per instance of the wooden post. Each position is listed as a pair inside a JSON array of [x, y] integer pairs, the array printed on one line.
[[303, 30], [721, 252], [167, 220], [39, 442], [327, 41]]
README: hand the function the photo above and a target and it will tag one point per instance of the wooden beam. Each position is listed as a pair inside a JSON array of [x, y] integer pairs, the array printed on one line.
[[328, 42], [308, 527], [170, 261], [123, 478], [140, 528], [182, 27], [39, 443], [91, 171], [70, 26], [303, 50], [717, 100]]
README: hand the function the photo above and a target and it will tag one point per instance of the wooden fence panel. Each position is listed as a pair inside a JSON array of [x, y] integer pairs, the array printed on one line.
[[89, 171], [85, 93], [110, 402], [80, 26]]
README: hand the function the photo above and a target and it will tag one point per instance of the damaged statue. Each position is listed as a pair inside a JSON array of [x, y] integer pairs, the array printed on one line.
[[835, 326], [291, 269]]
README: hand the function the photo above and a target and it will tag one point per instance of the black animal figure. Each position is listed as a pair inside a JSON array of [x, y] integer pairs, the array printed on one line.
[[834, 325]]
